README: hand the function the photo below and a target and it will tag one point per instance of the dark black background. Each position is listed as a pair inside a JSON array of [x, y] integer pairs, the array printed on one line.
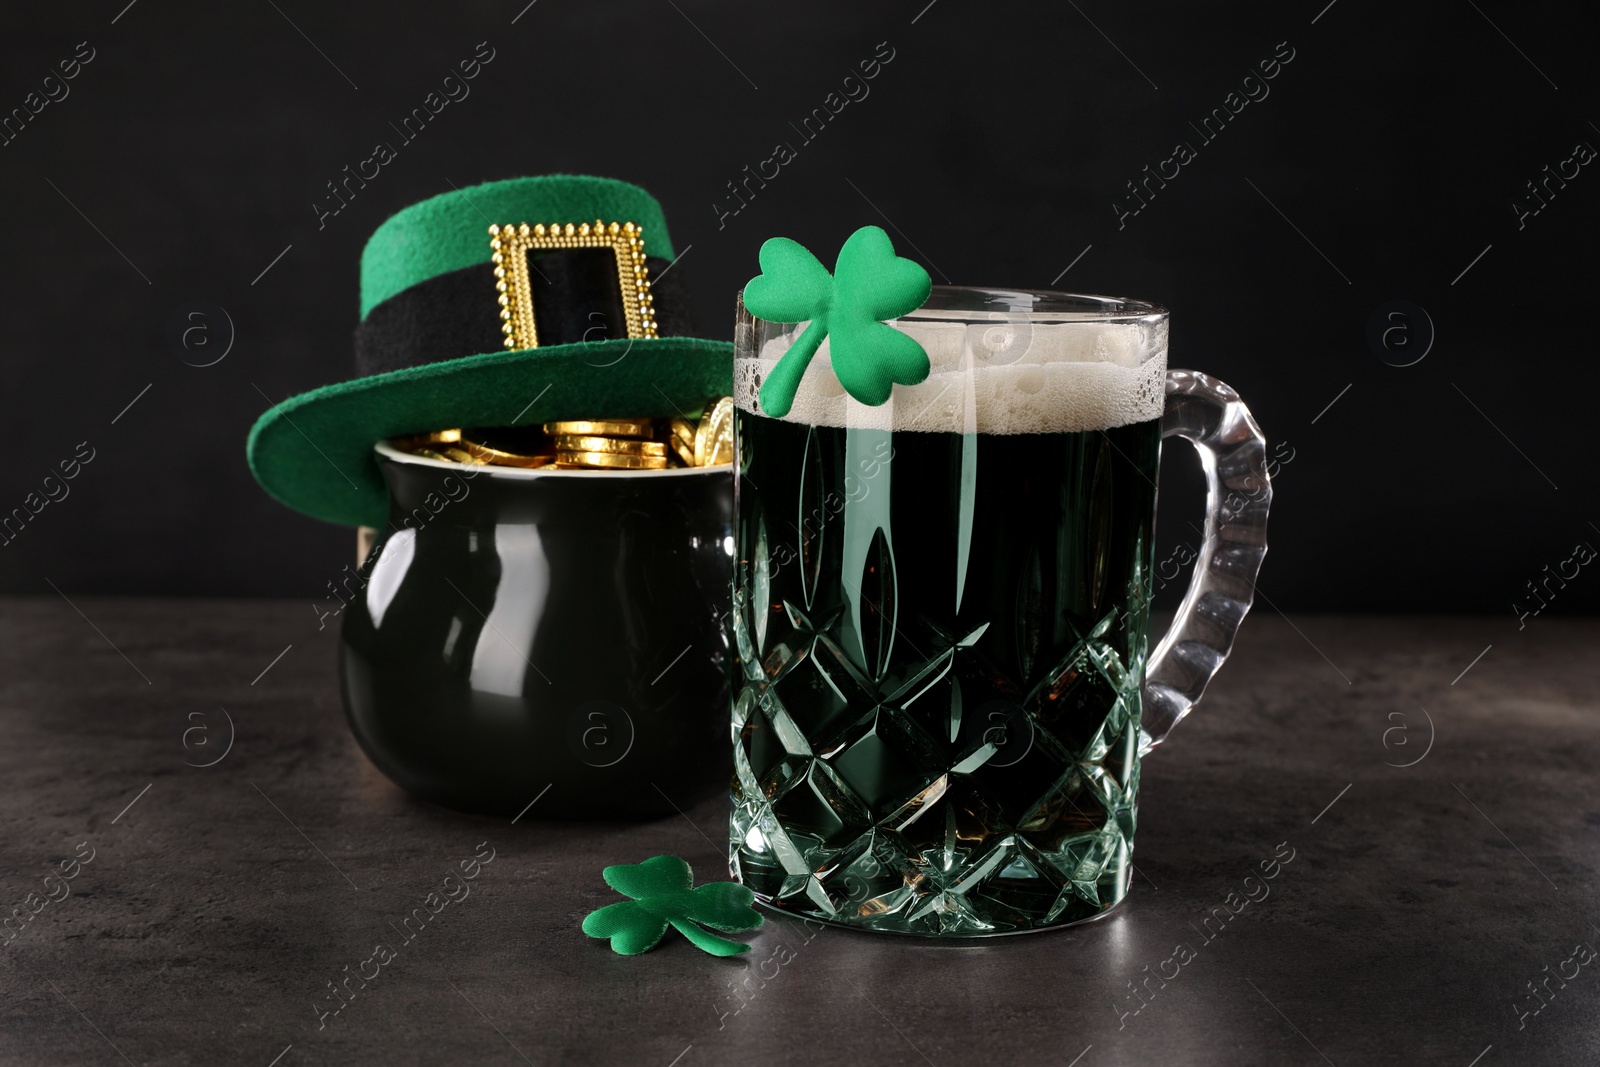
[[992, 148]]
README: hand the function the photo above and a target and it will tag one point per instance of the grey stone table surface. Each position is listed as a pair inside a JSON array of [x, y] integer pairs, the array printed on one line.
[[1438, 800]]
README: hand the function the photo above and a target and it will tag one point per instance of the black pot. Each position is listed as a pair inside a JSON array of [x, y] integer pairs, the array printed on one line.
[[525, 629]]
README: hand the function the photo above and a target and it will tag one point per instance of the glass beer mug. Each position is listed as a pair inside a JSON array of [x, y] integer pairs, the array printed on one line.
[[941, 687]]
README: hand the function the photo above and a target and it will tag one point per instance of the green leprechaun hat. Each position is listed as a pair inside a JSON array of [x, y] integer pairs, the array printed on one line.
[[565, 311]]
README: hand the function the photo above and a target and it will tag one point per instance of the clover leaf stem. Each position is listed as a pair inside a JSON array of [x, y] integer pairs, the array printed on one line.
[[777, 392]]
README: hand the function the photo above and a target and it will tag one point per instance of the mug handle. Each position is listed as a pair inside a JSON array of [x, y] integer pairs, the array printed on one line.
[[1233, 454]]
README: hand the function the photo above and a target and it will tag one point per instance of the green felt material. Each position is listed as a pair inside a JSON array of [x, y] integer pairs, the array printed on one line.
[[662, 896], [451, 230], [314, 453], [869, 284]]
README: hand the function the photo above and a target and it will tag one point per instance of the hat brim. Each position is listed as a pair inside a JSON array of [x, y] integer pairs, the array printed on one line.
[[313, 452]]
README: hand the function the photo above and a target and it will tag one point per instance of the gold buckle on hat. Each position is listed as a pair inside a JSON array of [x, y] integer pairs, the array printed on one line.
[[511, 245]]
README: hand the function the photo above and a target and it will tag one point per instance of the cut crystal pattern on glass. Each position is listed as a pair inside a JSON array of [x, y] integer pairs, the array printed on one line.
[[900, 828]]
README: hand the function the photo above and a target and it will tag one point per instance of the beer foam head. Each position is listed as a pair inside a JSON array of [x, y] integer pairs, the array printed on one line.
[[1006, 376]]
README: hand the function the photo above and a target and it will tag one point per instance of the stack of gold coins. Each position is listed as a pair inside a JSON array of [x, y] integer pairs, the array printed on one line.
[[589, 444], [608, 444]]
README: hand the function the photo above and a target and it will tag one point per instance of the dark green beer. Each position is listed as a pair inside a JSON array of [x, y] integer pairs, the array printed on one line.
[[940, 642]]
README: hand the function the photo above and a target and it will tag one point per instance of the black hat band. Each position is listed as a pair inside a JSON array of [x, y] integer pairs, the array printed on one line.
[[577, 298]]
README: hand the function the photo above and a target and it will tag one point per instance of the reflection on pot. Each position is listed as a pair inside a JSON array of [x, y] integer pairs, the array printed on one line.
[[520, 630]]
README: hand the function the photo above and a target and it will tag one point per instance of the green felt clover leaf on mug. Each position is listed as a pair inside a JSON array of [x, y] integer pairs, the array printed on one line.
[[868, 285]]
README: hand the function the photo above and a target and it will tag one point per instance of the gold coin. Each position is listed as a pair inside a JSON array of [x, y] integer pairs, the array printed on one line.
[[499, 458], [461, 455], [602, 428], [683, 430], [713, 438], [684, 452], [610, 461], [621, 446], [411, 442], [720, 450], [428, 453]]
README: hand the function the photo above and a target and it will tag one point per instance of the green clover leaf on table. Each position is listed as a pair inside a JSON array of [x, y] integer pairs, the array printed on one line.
[[662, 897], [869, 284]]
